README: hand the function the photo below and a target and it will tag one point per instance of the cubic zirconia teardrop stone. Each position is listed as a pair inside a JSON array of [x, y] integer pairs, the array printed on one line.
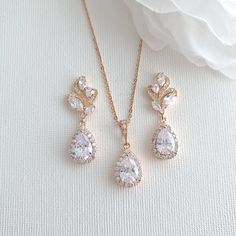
[[165, 144], [82, 148], [128, 170]]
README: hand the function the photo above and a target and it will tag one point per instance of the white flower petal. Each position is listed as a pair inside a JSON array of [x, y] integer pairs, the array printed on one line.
[[191, 29]]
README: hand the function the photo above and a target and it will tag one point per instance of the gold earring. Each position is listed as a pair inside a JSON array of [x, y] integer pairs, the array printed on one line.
[[165, 143], [83, 145]]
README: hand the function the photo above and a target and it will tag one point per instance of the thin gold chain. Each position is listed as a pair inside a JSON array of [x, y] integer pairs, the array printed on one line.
[[104, 74]]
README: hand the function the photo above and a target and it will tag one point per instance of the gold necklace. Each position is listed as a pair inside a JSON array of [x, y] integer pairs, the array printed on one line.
[[128, 169]]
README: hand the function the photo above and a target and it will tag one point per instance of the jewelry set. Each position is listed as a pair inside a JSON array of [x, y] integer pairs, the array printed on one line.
[[128, 170]]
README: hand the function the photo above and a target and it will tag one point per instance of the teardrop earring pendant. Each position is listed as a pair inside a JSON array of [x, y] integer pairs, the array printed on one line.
[[164, 141], [83, 145]]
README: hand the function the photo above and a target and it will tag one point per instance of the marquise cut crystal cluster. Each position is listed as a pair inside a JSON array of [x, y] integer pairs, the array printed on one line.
[[82, 97], [165, 144], [161, 94], [83, 146]]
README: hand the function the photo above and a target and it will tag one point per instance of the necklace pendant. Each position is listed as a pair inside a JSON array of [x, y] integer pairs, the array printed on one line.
[[165, 143], [128, 172]]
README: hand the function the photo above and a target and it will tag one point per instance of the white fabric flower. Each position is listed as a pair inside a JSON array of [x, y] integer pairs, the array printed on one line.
[[204, 31]]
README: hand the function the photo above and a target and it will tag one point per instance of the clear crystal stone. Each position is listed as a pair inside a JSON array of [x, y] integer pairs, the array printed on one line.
[[75, 103], [161, 79], [89, 109], [155, 88], [156, 106], [82, 82], [81, 148], [165, 143], [128, 171], [169, 99], [89, 91]]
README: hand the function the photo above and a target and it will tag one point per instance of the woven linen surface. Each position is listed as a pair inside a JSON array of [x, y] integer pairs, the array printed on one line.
[[43, 193]]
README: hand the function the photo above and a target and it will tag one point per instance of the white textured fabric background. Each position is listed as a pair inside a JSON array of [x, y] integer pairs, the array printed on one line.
[[43, 44]]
